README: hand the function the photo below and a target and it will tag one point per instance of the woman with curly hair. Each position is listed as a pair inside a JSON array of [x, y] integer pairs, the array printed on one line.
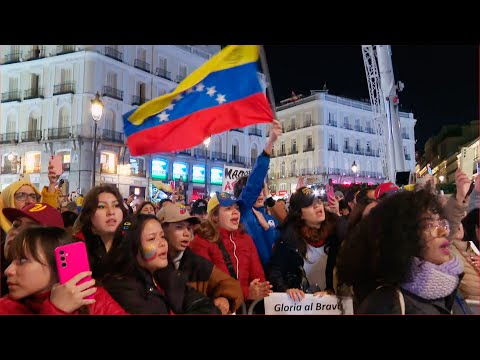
[[398, 261], [303, 257]]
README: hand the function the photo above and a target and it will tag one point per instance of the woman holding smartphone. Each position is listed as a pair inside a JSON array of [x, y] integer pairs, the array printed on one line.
[[32, 279], [102, 213]]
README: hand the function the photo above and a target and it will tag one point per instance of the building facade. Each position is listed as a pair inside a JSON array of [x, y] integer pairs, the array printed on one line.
[[46, 110], [324, 135]]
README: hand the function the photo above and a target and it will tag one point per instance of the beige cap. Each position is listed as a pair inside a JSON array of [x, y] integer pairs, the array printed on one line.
[[174, 213]]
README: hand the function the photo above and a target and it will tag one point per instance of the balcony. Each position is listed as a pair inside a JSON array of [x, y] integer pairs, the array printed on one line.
[[137, 100], [113, 136], [293, 151], [28, 136], [335, 171], [142, 65], [405, 136], [112, 93], [237, 159], [64, 88], [358, 128], [113, 53], [291, 128], [219, 156], [407, 157], [33, 93], [12, 169], [12, 58], [11, 96], [333, 147], [347, 126], [256, 132], [199, 153], [306, 124], [281, 153], [65, 49], [359, 151], [59, 133], [348, 150], [370, 152], [195, 51], [163, 73], [185, 152], [34, 54], [332, 123], [309, 147], [8, 138], [32, 170], [180, 78], [369, 130]]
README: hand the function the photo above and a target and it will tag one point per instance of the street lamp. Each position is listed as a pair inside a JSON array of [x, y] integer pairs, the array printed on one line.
[[97, 111], [206, 142], [354, 169]]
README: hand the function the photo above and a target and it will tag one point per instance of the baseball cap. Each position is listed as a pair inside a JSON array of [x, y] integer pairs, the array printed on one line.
[[174, 213], [41, 213], [302, 198], [385, 188], [222, 199], [199, 207]]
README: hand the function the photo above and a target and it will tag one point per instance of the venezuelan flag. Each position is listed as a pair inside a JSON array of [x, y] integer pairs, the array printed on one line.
[[224, 93]]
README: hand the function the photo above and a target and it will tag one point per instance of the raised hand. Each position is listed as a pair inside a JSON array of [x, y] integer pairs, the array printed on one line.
[[261, 219], [70, 296]]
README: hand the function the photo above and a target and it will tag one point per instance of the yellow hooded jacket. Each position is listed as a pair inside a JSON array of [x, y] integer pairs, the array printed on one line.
[[7, 199]]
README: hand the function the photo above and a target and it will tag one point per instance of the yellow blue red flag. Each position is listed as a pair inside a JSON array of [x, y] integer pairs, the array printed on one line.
[[224, 93]]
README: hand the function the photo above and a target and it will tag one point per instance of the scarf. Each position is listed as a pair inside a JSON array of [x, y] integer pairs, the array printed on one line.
[[430, 281], [314, 237]]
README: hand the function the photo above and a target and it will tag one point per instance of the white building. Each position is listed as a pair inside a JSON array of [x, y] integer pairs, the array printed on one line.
[[323, 136], [46, 93]]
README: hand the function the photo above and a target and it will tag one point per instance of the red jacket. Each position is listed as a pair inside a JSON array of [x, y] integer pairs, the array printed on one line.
[[40, 304], [242, 251]]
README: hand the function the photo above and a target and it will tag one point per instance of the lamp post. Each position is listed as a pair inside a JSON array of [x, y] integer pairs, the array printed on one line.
[[354, 169], [206, 142], [97, 111]]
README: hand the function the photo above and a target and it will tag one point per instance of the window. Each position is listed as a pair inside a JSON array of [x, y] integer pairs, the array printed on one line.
[[218, 145], [308, 119], [369, 147], [330, 117], [112, 80], [254, 153], [11, 124], [345, 122], [108, 162], [182, 72], [142, 54], [63, 118], [137, 166], [294, 145], [346, 143], [294, 165], [162, 64], [109, 123], [65, 154], [309, 142], [282, 169], [282, 147], [32, 162], [357, 145]]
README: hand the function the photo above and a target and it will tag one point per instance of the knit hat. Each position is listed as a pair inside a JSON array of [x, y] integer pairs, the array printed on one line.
[[385, 188], [41, 213], [302, 198], [7, 200], [199, 207], [173, 213], [222, 199]]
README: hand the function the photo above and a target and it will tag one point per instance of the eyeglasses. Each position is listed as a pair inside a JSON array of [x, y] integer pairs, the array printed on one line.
[[21, 196], [438, 228]]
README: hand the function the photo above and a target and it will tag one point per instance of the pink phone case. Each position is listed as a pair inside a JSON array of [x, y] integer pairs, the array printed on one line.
[[72, 259], [330, 195], [56, 161]]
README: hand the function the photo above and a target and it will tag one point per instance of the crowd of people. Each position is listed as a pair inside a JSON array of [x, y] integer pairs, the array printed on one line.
[[394, 251]]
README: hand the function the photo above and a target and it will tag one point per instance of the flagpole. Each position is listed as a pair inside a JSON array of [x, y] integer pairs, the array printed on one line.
[[263, 62]]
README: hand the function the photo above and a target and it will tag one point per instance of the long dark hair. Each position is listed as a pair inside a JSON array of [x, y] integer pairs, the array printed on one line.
[[121, 260], [380, 249], [469, 223]]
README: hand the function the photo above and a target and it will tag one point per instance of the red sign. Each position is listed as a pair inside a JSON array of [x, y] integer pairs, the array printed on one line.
[[273, 193], [282, 193]]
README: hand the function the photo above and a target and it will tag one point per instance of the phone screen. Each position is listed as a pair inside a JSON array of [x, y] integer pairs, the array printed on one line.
[[56, 162]]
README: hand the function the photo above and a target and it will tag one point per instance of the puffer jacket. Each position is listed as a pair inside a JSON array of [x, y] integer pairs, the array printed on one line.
[[41, 305], [243, 255]]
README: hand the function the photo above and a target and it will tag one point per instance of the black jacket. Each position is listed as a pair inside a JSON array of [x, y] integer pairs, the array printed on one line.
[[137, 294]]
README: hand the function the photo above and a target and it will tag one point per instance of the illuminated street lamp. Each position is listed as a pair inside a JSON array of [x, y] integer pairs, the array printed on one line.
[[206, 142], [354, 169], [441, 178], [97, 111]]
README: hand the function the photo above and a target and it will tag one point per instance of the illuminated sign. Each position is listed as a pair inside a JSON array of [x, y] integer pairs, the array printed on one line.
[[180, 171], [216, 176], [198, 174], [159, 169]]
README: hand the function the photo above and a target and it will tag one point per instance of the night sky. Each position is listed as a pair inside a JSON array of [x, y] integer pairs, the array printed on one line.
[[441, 82]]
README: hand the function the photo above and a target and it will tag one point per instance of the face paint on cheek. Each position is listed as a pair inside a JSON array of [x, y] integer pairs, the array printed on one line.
[[149, 253]]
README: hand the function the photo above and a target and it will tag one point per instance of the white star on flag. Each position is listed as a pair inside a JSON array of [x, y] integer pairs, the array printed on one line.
[[211, 91], [164, 116], [221, 98], [170, 107], [189, 91], [178, 97], [200, 87]]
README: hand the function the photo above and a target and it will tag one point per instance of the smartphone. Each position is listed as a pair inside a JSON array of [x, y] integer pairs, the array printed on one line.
[[472, 249], [72, 259], [330, 194], [56, 162]]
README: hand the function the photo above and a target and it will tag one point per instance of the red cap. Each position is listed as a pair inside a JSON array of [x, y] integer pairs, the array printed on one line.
[[385, 188], [43, 214]]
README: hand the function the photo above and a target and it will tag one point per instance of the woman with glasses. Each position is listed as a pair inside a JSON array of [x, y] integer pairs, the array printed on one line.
[[398, 261]]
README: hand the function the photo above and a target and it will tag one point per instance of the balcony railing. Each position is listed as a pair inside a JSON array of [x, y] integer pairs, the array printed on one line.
[[282, 153], [59, 133], [291, 128], [333, 147], [219, 155], [405, 136], [256, 132], [369, 130], [307, 124], [12, 169], [34, 135], [332, 123], [113, 136], [65, 49], [193, 50], [308, 148], [8, 138], [237, 159], [348, 150], [37, 53], [185, 152], [113, 53], [239, 130], [163, 73], [11, 96], [137, 100], [358, 128], [347, 126], [33, 93], [293, 151], [370, 152], [12, 58], [180, 78], [142, 65], [199, 152], [359, 151], [113, 93], [64, 88]]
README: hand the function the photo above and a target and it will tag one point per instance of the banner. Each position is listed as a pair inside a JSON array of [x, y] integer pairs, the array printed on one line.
[[282, 304], [230, 176]]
